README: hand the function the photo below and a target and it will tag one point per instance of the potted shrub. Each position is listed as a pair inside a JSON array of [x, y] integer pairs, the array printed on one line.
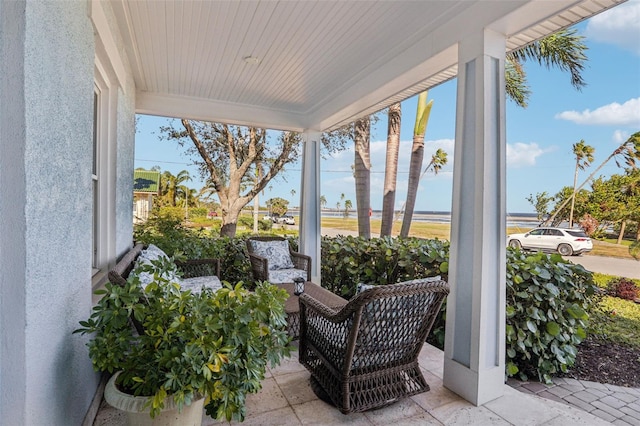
[[190, 346]]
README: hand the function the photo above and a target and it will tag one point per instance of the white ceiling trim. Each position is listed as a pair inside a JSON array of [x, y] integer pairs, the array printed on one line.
[[224, 112], [422, 77]]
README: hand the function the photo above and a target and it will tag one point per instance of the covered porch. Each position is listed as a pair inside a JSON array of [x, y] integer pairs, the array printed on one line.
[[75, 73], [287, 399]]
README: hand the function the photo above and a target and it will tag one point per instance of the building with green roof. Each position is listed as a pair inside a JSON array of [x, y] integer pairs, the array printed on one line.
[[146, 184]]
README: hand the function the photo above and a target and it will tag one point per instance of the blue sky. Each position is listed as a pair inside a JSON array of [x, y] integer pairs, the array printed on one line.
[[539, 138]]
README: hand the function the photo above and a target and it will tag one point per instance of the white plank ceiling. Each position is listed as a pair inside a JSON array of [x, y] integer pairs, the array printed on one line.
[[320, 64]]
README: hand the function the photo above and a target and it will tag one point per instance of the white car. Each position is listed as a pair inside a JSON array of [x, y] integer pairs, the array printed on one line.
[[287, 220], [567, 242]]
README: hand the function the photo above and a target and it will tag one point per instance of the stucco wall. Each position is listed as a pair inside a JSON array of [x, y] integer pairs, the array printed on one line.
[[12, 220], [58, 90], [47, 57], [46, 87]]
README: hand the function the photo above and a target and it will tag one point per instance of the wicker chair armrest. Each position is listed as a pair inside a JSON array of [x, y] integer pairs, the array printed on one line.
[[199, 267], [315, 305], [331, 314], [259, 266], [302, 261]]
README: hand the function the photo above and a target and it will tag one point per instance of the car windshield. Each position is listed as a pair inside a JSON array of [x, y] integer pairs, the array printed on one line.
[[579, 234]]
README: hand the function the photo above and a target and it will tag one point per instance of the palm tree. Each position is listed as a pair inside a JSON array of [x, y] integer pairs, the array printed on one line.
[[187, 194], [323, 202], [564, 50], [584, 158], [630, 152], [171, 184], [391, 169], [417, 154], [348, 205], [362, 174], [438, 159]]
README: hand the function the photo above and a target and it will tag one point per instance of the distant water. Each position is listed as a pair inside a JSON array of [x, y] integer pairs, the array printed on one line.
[[525, 220]]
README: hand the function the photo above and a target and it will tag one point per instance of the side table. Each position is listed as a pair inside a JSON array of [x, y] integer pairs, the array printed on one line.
[[292, 306]]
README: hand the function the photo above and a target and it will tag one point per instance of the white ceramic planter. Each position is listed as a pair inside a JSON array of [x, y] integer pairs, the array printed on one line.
[[137, 415]]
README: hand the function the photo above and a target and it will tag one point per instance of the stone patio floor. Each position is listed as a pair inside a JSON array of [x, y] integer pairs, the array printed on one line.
[[286, 399]]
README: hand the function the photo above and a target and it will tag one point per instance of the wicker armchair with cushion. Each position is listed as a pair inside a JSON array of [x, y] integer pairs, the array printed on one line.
[[365, 355], [273, 260]]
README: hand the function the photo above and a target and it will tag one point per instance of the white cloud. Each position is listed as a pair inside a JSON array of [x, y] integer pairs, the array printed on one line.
[[620, 136], [619, 26], [524, 154], [613, 114]]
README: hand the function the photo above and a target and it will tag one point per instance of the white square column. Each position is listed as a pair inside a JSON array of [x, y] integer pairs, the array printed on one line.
[[475, 332], [310, 202]]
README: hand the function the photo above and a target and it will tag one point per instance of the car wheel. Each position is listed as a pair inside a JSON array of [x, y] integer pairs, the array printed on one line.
[[515, 244], [565, 250]]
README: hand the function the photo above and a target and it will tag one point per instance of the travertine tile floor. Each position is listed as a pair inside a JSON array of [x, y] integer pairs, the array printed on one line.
[[287, 399]]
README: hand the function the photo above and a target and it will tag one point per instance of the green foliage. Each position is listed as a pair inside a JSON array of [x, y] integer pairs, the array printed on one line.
[[215, 345], [198, 212], [172, 237], [547, 303], [616, 320], [247, 222], [170, 213], [278, 206], [349, 260]]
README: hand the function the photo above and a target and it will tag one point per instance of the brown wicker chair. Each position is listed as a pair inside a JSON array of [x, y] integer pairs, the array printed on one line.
[[365, 355], [260, 265]]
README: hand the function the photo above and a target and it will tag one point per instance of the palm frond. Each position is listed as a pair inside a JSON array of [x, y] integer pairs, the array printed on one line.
[[564, 50]]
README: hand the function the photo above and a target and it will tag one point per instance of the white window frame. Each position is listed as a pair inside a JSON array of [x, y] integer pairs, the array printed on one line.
[[103, 171]]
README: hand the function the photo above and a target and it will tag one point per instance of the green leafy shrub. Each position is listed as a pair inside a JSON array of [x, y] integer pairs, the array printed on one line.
[[547, 303], [198, 212], [172, 237], [623, 288], [634, 250], [213, 345], [171, 213], [349, 260], [247, 222]]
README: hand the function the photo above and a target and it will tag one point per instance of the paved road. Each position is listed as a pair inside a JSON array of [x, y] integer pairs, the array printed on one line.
[[628, 268]]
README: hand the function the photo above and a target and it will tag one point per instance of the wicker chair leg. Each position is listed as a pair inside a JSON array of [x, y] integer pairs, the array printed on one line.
[[319, 391]]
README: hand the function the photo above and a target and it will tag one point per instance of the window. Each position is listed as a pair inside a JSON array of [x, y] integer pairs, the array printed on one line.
[[103, 172], [95, 234]]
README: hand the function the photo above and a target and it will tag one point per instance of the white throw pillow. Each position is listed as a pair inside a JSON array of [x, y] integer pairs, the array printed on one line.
[[152, 252], [276, 253]]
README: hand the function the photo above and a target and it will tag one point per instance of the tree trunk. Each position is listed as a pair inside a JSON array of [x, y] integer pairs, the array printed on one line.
[[256, 210], [391, 169], [623, 225], [229, 223], [417, 155], [573, 196], [362, 175]]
